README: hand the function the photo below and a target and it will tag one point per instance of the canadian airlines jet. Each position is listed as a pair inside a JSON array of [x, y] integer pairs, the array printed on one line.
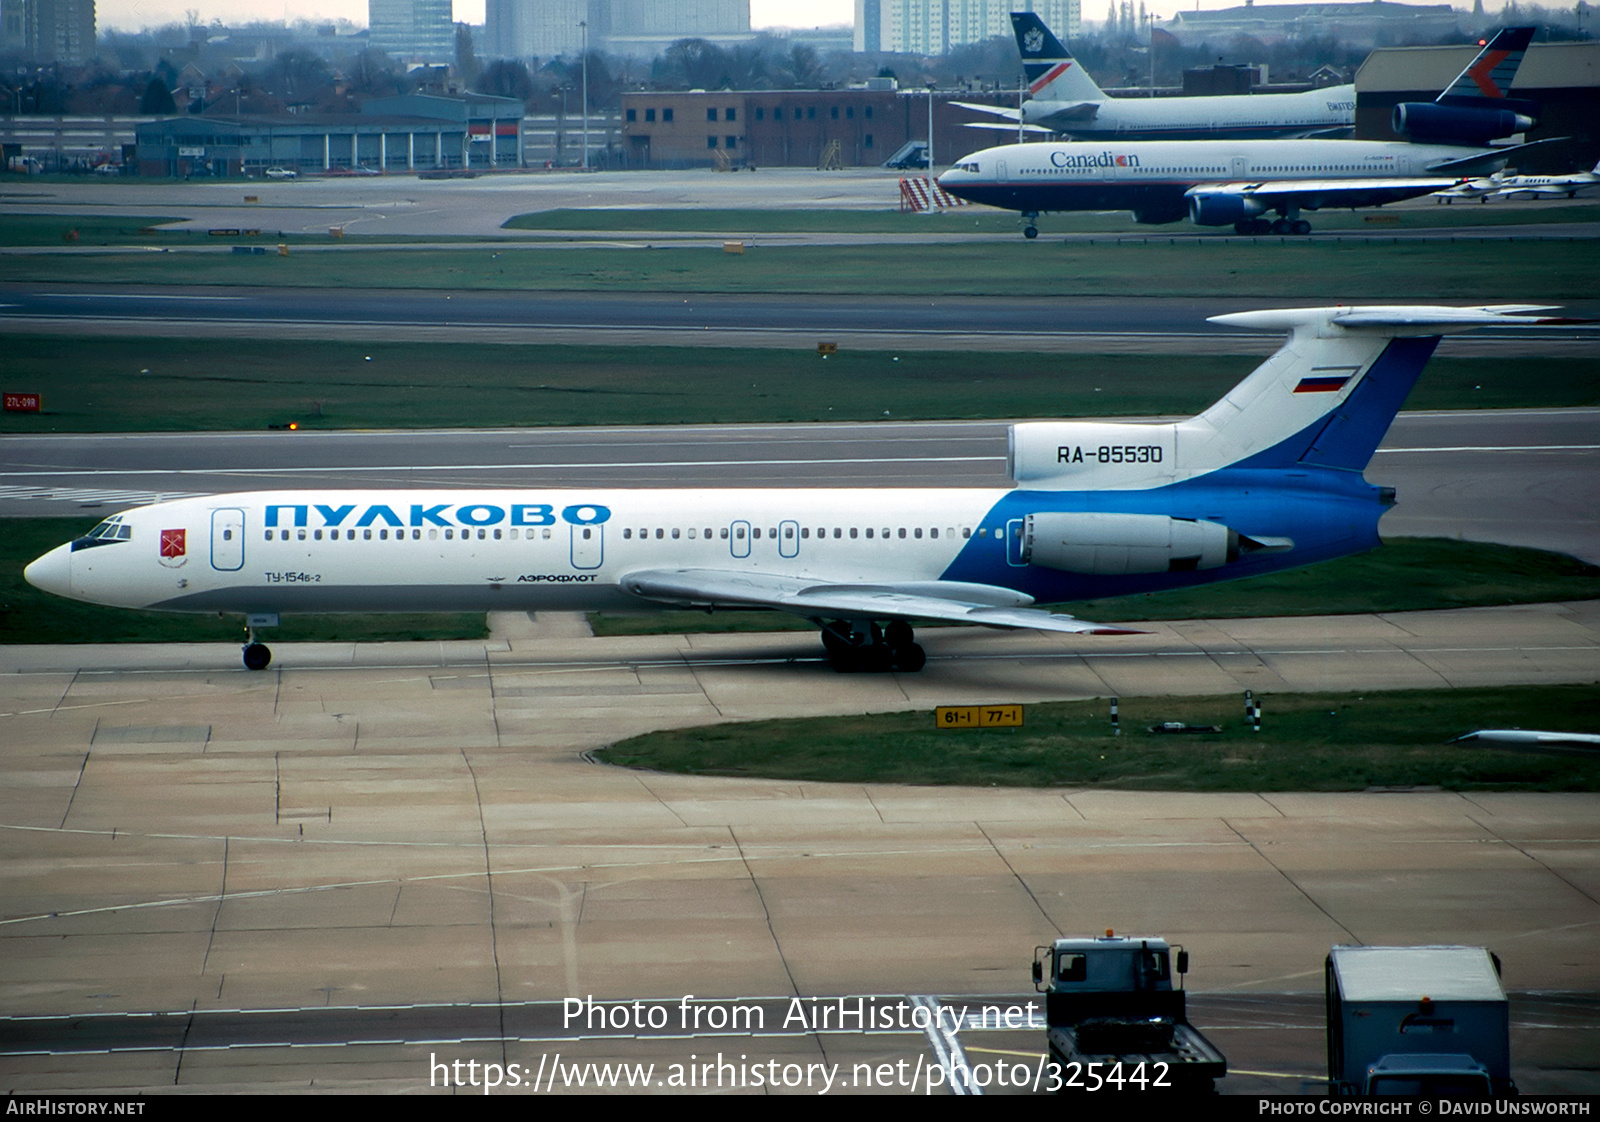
[[1062, 98], [1239, 182], [1268, 478]]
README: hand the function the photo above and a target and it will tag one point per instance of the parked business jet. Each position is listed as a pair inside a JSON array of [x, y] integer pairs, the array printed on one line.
[[1064, 99], [1480, 188], [1550, 186], [1268, 478], [1239, 182]]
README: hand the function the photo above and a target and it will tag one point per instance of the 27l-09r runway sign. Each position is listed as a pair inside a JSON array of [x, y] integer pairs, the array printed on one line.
[[978, 716]]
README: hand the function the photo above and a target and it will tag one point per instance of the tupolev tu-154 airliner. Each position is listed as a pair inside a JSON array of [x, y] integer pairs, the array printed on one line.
[[1268, 478]]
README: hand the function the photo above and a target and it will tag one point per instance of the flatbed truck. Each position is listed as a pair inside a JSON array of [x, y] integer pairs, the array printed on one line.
[[1115, 1020]]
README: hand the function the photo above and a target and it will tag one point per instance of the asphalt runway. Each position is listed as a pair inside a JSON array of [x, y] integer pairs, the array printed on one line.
[[329, 873], [1014, 323], [405, 206]]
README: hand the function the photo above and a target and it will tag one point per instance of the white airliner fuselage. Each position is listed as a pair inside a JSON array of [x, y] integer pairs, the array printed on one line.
[[1260, 116], [1165, 181], [1064, 99]]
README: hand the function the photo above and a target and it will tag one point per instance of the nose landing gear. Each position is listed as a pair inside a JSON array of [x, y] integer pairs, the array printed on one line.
[[257, 654]]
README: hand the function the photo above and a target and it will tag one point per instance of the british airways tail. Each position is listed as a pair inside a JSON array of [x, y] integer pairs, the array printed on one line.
[[1052, 73], [1325, 399]]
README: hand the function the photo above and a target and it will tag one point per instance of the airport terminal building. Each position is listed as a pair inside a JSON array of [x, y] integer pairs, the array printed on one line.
[[794, 128], [414, 132]]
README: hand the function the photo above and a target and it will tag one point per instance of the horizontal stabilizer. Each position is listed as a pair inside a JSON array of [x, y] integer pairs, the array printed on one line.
[[1002, 126], [1396, 319], [992, 110]]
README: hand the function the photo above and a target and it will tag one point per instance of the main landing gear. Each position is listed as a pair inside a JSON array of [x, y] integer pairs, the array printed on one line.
[[862, 647], [1284, 227]]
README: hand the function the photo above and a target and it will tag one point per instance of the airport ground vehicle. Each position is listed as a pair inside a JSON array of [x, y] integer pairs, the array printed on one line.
[[1115, 1020], [1417, 1021]]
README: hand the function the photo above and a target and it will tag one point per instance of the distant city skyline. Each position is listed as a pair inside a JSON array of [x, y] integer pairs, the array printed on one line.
[[132, 15]]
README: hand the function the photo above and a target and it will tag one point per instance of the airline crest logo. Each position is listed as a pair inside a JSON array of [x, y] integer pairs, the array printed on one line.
[[174, 548], [1033, 41]]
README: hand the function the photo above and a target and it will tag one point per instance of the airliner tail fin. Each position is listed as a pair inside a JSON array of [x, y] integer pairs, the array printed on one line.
[[1053, 74], [1328, 396]]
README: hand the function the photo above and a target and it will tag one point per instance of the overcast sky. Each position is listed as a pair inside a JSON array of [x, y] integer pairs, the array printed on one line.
[[131, 15]]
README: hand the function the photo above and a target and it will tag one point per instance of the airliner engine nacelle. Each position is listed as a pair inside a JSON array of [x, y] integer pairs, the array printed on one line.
[[1450, 124], [1223, 209], [1117, 544]]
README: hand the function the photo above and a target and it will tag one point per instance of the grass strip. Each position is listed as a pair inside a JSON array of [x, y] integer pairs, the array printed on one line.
[[1308, 742], [961, 221], [1532, 270], [155, 384], [82, 230], [1406, 575], [30, 616]]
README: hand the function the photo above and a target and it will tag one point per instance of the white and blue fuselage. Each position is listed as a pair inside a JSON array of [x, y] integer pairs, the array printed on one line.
[[1267, 478]]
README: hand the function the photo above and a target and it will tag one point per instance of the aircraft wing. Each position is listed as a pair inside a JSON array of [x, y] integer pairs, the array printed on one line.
[[952, 601], [1492, 159], [1313, 194]]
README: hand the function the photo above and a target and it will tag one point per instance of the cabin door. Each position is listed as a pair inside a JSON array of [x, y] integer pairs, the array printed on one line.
[[588, 546], [227, 540]]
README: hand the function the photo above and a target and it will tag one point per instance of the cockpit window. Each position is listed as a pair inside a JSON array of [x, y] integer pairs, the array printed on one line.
[[111, 529]]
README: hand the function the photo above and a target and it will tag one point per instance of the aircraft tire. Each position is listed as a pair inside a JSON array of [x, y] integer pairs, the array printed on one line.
[[1280, 226], [875, 658], [910, 658], [899, 634], [1030, 232], [257, 656], [835, 644], [1300, 227]]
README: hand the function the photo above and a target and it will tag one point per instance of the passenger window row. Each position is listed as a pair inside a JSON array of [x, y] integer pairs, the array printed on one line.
[[661, 533]]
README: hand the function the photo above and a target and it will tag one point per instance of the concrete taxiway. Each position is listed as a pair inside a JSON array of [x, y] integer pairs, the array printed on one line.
[[398, 826], [407, 206], [372, 860]]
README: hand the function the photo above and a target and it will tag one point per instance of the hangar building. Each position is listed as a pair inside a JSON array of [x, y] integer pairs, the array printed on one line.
[[1564, 78]]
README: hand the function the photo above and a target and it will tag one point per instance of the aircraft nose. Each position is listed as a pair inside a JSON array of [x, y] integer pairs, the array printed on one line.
[[52, 572]]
